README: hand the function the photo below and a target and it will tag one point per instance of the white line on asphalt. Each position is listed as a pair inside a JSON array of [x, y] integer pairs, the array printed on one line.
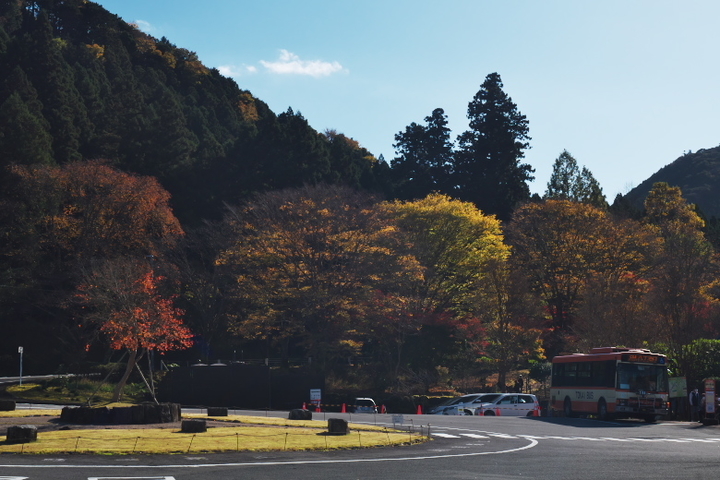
[[532, 444]]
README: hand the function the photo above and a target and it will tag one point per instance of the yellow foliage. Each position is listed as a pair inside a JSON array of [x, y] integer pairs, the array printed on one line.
[[98, 50], [246, 105]]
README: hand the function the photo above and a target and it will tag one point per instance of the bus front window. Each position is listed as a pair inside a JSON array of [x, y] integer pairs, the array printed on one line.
[[646, 378]]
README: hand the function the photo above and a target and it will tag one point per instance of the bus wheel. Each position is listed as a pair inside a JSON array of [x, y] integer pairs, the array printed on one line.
[[489, 413], [602, 412], [567, 407]]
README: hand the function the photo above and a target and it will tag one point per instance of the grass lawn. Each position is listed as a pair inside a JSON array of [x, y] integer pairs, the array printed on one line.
[[242, 433], [73, 390]]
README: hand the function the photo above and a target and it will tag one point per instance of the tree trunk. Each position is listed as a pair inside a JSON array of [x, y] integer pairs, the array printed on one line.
[[132, 360]]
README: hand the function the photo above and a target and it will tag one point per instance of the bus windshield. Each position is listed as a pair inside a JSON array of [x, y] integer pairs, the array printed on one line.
[[647, 378]]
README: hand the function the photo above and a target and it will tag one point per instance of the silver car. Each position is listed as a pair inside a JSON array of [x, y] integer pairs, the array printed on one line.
[[465, 405], [510, 404]]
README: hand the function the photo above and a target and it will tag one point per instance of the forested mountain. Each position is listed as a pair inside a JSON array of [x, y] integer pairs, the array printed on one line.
[[77, 82], [698, 176]]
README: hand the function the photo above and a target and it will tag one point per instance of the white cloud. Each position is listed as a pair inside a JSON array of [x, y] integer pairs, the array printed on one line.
[[289, 63], [144, 26], [235, 71]]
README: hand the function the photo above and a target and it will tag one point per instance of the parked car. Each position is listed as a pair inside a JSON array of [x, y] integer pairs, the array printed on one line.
[[464, 405], [364, 405], [510, 404]]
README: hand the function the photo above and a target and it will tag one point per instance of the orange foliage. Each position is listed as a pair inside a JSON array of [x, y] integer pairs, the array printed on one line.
[[139, 318], [92, 210]]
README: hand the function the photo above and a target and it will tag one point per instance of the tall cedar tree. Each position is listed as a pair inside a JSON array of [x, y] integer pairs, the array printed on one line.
[[424, 158], [488, 171]]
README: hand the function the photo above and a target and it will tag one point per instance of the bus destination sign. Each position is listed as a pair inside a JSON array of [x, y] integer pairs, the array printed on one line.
[[642, 358]]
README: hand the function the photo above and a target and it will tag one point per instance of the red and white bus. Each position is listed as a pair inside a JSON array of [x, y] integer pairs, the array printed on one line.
[[611, 382]]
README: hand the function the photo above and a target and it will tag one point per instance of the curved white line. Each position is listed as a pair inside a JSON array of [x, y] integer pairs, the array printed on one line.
[[532, 443]]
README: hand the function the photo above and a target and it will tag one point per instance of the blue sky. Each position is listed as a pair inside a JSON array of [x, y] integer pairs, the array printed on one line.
[[626, 86]]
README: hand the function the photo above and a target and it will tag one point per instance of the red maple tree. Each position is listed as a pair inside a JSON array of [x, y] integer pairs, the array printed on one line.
[[123, 298]]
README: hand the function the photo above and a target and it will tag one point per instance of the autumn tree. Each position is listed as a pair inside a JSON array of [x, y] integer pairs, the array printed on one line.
[[89, 209], [562, 245], [204, 289], [487, 168], [455, 243], [684, 270], [55, 221], [122, 297], [308, 262], [510, 315], [614, 306]]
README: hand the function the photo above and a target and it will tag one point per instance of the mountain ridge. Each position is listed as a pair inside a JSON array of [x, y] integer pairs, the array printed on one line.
[[698, 176]]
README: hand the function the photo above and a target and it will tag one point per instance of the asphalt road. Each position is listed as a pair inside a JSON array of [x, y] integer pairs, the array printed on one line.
[[462, 448]]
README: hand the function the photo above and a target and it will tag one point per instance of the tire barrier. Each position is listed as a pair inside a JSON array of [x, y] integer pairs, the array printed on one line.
[[145, 413]]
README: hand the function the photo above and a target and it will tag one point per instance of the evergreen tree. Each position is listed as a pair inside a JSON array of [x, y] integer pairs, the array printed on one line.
[[54, 80], [487, 169], [425, 154], [23, 135], [568, 182]]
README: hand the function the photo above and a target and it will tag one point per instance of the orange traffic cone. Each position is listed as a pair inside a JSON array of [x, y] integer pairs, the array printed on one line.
[[537, 412], [497, 412], [419, 410], [382, 409], [344, 410], [304, 406]]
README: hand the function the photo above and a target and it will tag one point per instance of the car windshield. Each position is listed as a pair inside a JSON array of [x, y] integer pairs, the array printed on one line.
[[365, 403]]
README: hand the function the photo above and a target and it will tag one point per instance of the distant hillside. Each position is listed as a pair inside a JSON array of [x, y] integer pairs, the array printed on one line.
[[698, 176], [79, 83]]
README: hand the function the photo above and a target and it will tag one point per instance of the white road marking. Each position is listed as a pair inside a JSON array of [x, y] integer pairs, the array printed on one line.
[[532, 444], [131, 478]]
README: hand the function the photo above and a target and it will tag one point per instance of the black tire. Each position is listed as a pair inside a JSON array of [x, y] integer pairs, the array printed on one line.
[[602, 412], [651, 418], [489, 413], [567, 407]]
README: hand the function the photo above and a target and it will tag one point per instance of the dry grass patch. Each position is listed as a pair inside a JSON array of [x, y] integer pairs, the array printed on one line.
[[241, 438], [240, 433], [30, 413], [279, 422]]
